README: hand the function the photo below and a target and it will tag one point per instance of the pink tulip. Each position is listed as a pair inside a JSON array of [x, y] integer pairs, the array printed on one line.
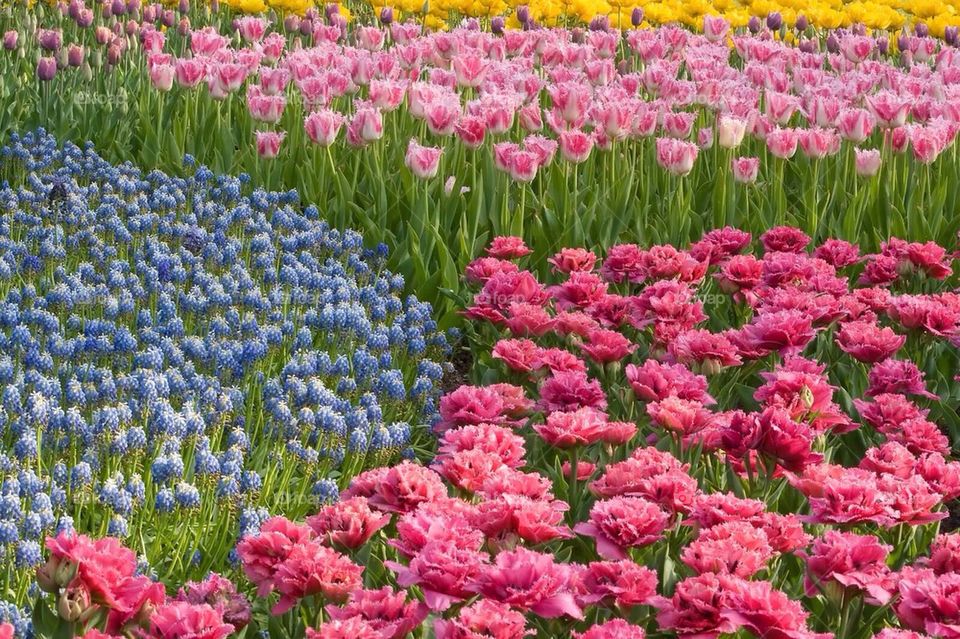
[[575, 145], [273, 81], [782, 143], [823, 110], [10, 40], [867, 162], [50, 39], [715, 28], [678, 125], [889, 108], [323, 126], [855, 125], [152, 41], [251, 28], [161, 76], [780, 107], [442, 116], [470, 70], [370, 38], [471, 130], [189, 71], [265, 108], [366, 126], [676, 156], [856, 48], [75, 54], [819, 143], [423, 161], [745, 170], [531, 117], [523, 166], [268, 143], [926, 144]]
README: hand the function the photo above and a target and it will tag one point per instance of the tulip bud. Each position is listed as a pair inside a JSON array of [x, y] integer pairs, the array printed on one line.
[[183, 28], [523, 14], [883, 44], [85, 71], [73, 603], [636, 16], [802, 23], [774, 20], [184, 6], [951, 35], [833, 44], [10, 39], [386, 16], [169, 18], [903, 43], [113, 54], [496, 25], [754, 24], [577, 35], [306, 27], [921, 29]]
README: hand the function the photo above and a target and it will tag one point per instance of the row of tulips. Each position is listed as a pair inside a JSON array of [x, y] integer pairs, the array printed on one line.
[[629, 472], [435, 142]]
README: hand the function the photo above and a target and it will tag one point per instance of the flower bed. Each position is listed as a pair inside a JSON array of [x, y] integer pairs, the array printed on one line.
[[578, 135]]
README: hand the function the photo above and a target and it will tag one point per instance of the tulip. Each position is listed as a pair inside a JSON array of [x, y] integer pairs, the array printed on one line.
[[423, 161], [636, 16], [754, 24], [75, 55], [268, 143], [497, 24], [168, 19], [801, 23], [85, 18], [523, 166], [46, 69], [323, 126], [599, 23], [951, 34], [745, 170], [676, 156], [867, 162], [782, 143], [386, 16], [50, 39], [921, 30], [774, 20], [10, 39], [730, 132], [855, 125], [575, 145], [523, 14], [715, 28], [161, 76]]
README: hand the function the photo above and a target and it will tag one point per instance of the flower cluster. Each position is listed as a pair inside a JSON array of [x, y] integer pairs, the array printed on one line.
[[188, 348]]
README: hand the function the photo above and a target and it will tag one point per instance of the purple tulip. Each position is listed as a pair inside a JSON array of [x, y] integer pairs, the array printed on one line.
[[306, 27], [754, 24], [184, 6], [311, 13], [807, 46], [577, 35], [523, 14], [332, 9], [75, 55], [10, 39], [150, 13], [599, 23], [497, 25], [883, 44], [169, 18], [951, 35], [774, 20], [46, 69], [833, 44], [858, 29], [50, 39], [119, 7], [291, 23], [903, 43], [921, 29], [802, 23], [85, 18], [386, 15], [636, 16]]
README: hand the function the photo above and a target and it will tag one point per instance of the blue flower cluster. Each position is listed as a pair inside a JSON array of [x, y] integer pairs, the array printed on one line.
[[176, 352]]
